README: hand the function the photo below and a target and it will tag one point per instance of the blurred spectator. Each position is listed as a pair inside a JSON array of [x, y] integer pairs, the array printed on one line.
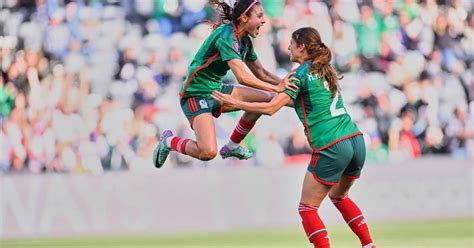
[[85, 85], [7, 99], [369, 35], [402, 138], [269, 152], [297, 144], [460, 133]]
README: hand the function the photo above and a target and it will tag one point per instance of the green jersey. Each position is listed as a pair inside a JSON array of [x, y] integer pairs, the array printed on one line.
[[209, 66], [324, 117]]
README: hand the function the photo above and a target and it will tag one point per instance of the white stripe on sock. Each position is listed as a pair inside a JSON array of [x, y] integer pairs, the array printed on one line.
[[168, 141], [316, 232], [357, 217], [178, 146], [242, 130]]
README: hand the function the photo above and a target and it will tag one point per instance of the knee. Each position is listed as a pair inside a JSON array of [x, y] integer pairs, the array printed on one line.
[[311, 199], [337, 198], [208, 154], [268, 96]]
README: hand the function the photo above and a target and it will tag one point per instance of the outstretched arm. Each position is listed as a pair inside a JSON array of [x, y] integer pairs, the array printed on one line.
[[261, 73], [247, 79], [266, 108]]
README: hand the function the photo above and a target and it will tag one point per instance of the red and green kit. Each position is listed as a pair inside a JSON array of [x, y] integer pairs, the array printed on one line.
[[209, 67], [326, 123]]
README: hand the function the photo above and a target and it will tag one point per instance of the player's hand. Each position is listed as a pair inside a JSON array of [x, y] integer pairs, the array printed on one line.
[[286, 83], [223, 99]]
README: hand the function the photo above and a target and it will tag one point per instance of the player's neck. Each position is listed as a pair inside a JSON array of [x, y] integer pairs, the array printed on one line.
[[239, 29], [305, 59], [302, 61], [243, 34]]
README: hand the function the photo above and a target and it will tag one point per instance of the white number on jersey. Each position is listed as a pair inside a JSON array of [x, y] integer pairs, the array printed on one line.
[[334, 111]]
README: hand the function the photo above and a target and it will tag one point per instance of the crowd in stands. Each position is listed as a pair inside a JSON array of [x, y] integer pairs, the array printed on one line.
[[87, 85]]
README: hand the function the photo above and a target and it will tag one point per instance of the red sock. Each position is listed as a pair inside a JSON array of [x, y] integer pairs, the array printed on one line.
[[179, 144], [354, 218], [241, 130], [314, 226]]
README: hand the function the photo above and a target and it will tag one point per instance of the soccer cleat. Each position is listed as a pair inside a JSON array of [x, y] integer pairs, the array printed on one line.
[[161, 151], [239, 152]]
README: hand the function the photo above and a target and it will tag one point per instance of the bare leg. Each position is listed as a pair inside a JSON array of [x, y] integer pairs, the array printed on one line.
[[249, 95], [313, 192], [342, 189], [205, 146]]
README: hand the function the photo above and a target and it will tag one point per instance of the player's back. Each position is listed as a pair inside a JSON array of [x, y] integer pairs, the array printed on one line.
[[323, 114]]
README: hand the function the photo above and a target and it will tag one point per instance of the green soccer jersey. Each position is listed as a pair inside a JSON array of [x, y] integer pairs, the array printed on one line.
[[209, 66], [324, 117]]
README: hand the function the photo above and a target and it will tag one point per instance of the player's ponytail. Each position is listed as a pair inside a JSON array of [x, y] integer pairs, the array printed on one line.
[[223, 9], [320, 55], [322, 67], [233, 13]]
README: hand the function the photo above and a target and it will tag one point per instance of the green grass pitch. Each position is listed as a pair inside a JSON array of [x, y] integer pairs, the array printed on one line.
[[413, 234]]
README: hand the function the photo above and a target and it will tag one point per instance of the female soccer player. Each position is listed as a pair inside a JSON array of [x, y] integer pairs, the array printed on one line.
[[337, 144], [227, 47]]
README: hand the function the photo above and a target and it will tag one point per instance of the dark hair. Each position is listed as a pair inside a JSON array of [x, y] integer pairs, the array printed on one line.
[[319, 54], [232, 14]]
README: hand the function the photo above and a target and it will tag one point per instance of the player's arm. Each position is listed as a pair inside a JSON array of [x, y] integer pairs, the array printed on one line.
[[261, 73], [247, 79], [266, 108]]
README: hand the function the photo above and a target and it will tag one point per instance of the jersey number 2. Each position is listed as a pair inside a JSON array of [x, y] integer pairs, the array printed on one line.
[[334, 111]]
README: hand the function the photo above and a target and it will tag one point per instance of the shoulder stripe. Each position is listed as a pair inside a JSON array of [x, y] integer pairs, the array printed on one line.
[[181, 94]]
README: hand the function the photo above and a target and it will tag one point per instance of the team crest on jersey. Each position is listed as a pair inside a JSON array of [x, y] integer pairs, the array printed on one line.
[[203, 104], [236, 46]]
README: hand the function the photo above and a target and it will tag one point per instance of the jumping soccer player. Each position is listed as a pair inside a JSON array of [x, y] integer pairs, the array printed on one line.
[[228, 47], [337, 144]]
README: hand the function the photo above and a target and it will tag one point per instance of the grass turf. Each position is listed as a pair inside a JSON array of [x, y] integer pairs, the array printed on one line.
[[430, 234]]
